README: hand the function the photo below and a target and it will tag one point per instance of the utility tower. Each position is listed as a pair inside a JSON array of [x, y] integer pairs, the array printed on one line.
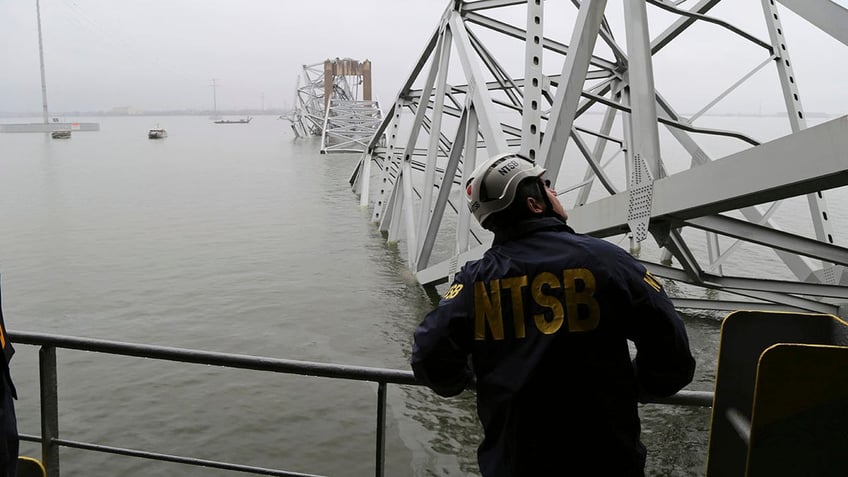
[[215, 114], [591, 91]]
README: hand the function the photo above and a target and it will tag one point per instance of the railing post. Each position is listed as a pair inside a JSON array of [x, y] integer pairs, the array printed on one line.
[[381, 429], [49, 409]]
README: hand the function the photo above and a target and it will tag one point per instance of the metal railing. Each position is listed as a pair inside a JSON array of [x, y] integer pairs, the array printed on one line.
[[48, 379]]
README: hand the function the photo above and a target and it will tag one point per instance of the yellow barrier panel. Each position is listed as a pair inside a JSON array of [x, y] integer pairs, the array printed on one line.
[[800, 417], [30, 467], [745, 335]]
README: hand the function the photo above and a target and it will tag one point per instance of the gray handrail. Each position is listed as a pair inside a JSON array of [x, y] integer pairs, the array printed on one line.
[[51, 442], [259, 363]]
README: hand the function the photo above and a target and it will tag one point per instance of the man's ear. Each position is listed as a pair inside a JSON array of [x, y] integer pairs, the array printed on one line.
[[535, 205]]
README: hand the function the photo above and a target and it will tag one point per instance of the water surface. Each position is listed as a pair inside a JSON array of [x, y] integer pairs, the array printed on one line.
[[243, 239]]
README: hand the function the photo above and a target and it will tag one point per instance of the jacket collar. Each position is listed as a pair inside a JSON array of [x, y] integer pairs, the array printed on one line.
[[530, 226]]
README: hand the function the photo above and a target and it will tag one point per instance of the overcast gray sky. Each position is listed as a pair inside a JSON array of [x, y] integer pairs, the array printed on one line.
[[163, 54]]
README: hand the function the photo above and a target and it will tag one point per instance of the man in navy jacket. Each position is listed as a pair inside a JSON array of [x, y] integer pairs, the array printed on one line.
[[541, 326]]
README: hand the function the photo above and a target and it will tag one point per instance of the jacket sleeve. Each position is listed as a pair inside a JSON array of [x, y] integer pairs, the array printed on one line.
[[441, 348], [663, 363]]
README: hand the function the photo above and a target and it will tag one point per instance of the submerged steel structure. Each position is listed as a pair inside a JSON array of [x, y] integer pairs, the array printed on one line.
[[333, 100], [587, 89]]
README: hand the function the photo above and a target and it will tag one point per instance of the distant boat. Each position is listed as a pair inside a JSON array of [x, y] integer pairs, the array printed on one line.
[[157, 133], [233, 121], [63, 134]]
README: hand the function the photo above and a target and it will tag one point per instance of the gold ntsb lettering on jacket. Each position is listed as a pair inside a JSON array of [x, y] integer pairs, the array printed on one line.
[[578, 288]]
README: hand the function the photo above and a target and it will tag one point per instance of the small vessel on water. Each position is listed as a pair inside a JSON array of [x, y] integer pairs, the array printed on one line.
[[61, 134], [157, 133], [233, 121], [216, 118]]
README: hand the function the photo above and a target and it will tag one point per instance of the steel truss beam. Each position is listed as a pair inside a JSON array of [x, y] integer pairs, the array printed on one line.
[[307, 115], [349, 125], [583, 101], [330, 103]]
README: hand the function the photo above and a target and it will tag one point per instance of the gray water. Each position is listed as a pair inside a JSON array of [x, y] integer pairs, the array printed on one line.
[[242, 239]]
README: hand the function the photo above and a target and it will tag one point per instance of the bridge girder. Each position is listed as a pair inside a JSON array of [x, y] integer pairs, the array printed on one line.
[[724, 209]]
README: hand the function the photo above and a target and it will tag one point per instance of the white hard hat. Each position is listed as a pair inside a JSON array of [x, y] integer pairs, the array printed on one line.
[[491, 187]]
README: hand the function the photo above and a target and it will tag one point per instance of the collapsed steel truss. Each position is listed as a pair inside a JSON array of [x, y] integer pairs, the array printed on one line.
[[333, 100], [627, 164], [307, 115], [349, 125]]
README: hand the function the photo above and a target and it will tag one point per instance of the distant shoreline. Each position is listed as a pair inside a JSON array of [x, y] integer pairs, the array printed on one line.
[[68, 114], [281, 112]]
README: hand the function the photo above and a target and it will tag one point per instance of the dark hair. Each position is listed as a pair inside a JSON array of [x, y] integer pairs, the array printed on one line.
[[517, 210]]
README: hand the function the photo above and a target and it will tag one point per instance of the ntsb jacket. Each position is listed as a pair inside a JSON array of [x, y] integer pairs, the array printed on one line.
[[545, 317]]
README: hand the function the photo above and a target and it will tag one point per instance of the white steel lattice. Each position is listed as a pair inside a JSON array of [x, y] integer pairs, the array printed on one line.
[[307, 115], [585, 89], [314, 105], [349, 125]]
